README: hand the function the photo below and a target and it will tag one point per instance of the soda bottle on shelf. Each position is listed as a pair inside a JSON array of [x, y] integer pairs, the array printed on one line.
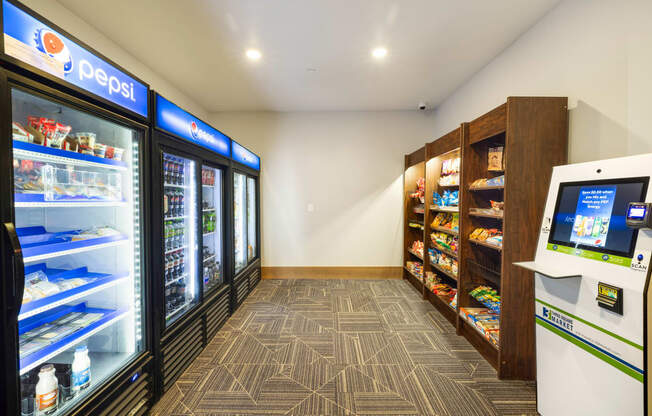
[[181, 177], [182, 265], [167, 269], [181, 203]]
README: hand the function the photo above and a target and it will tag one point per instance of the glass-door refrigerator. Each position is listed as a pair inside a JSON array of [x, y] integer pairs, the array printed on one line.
[[246, 226], [72, 178], [191, 292]]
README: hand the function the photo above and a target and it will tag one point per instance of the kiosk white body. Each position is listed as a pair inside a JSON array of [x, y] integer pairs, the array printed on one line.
[[590, 359]]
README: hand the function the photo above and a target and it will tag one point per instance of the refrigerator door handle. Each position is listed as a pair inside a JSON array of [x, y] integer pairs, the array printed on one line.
[[18, 266]]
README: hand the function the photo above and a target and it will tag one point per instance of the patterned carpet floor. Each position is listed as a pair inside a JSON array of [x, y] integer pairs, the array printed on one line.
[[341, 347]]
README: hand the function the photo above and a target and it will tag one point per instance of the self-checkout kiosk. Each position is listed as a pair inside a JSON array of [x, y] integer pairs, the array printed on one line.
[[591, 297]]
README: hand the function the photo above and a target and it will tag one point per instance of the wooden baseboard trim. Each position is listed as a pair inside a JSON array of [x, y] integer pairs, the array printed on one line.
[[381, 272]]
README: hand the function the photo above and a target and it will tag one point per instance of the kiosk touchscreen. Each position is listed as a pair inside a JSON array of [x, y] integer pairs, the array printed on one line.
[[591, 276]]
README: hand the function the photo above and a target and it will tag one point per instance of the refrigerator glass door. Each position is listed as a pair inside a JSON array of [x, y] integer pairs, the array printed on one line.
[[180, 236], [77, 197], [212, 272], [251, 218], [239, 218]]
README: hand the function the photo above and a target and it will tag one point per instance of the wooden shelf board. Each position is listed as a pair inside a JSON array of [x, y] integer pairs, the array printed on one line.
[[484, 244], [469, 323], [444, 209], [441, 270], [486, 215], [442, 306], [415, 254], [444, 250], [486, 188], [445, 230]]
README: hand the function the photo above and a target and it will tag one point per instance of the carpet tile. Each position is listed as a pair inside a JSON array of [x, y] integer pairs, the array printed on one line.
[[341, 348]]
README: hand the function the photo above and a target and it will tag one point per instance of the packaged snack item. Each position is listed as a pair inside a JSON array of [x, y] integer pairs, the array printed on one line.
[[117, 153], [99, 150], [71, 143], [19, 133], [87, 139], [498, 206], [110, 152], [495, 158], [86, 150]]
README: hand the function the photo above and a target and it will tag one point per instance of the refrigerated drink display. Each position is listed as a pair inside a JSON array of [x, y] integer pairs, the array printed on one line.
[[77, 201], [212, 227], [251, 218], [239, 220], [179, 234]]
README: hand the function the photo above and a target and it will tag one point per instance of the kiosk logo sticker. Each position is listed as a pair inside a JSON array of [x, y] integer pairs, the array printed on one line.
[[593, 215], [558, 319]]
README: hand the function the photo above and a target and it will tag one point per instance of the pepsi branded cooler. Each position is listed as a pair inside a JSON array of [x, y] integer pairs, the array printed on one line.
[[246, 225], [191, 268], [73, 178]]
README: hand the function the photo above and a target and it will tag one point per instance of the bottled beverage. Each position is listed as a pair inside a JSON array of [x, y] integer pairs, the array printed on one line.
[[182, 265], [181, 178], [81, 369], [181, 203], [175, 173], [165, 204], [167, 268], [47, 390], [176, 266]]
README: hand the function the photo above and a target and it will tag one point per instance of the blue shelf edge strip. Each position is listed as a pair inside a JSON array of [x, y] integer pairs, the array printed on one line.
[[56, 313], [31, 147], [37, 198], [36, 241], [101, 279]]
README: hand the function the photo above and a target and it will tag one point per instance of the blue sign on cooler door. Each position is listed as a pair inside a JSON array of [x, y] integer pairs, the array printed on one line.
[[30, 41], [177, 121], [244, 156]]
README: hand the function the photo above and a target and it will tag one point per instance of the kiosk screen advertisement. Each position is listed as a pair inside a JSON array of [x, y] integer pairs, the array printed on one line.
[[591, 217]]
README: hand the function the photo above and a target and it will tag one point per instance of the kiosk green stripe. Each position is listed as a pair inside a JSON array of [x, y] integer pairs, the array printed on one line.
[[594, 326], [635, 375], [591, 255]]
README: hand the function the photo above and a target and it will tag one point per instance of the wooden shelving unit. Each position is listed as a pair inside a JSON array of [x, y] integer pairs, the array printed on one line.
[[534, 134], [445, 148], [414, 212]]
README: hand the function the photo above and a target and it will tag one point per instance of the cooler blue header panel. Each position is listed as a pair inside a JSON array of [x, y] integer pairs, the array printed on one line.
[[244, 156], [30, 41], [173, 119]]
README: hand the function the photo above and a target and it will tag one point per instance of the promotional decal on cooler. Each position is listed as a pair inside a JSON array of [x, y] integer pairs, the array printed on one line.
[[175, 120], [244, 156], [617, 351], [30, 41]]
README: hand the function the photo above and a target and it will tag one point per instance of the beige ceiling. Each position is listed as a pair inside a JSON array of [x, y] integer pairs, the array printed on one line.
[[316, 53]]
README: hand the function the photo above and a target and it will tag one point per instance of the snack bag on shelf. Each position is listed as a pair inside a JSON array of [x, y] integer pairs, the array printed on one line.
[[495, 158]]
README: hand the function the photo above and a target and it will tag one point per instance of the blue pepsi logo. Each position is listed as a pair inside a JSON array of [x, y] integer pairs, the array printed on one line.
[[194, 130], [51, 44], [554, 247], [605, 257]]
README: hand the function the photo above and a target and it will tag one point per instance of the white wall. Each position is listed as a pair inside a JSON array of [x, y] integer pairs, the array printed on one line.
[[348, 164], [70, 22], [596, 52]]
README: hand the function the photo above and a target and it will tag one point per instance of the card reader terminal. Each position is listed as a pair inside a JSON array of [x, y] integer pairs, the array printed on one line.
[[638, 215]]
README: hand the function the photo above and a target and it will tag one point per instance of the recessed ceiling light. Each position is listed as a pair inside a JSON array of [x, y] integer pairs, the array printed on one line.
[[254, 54], [379, 53]]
